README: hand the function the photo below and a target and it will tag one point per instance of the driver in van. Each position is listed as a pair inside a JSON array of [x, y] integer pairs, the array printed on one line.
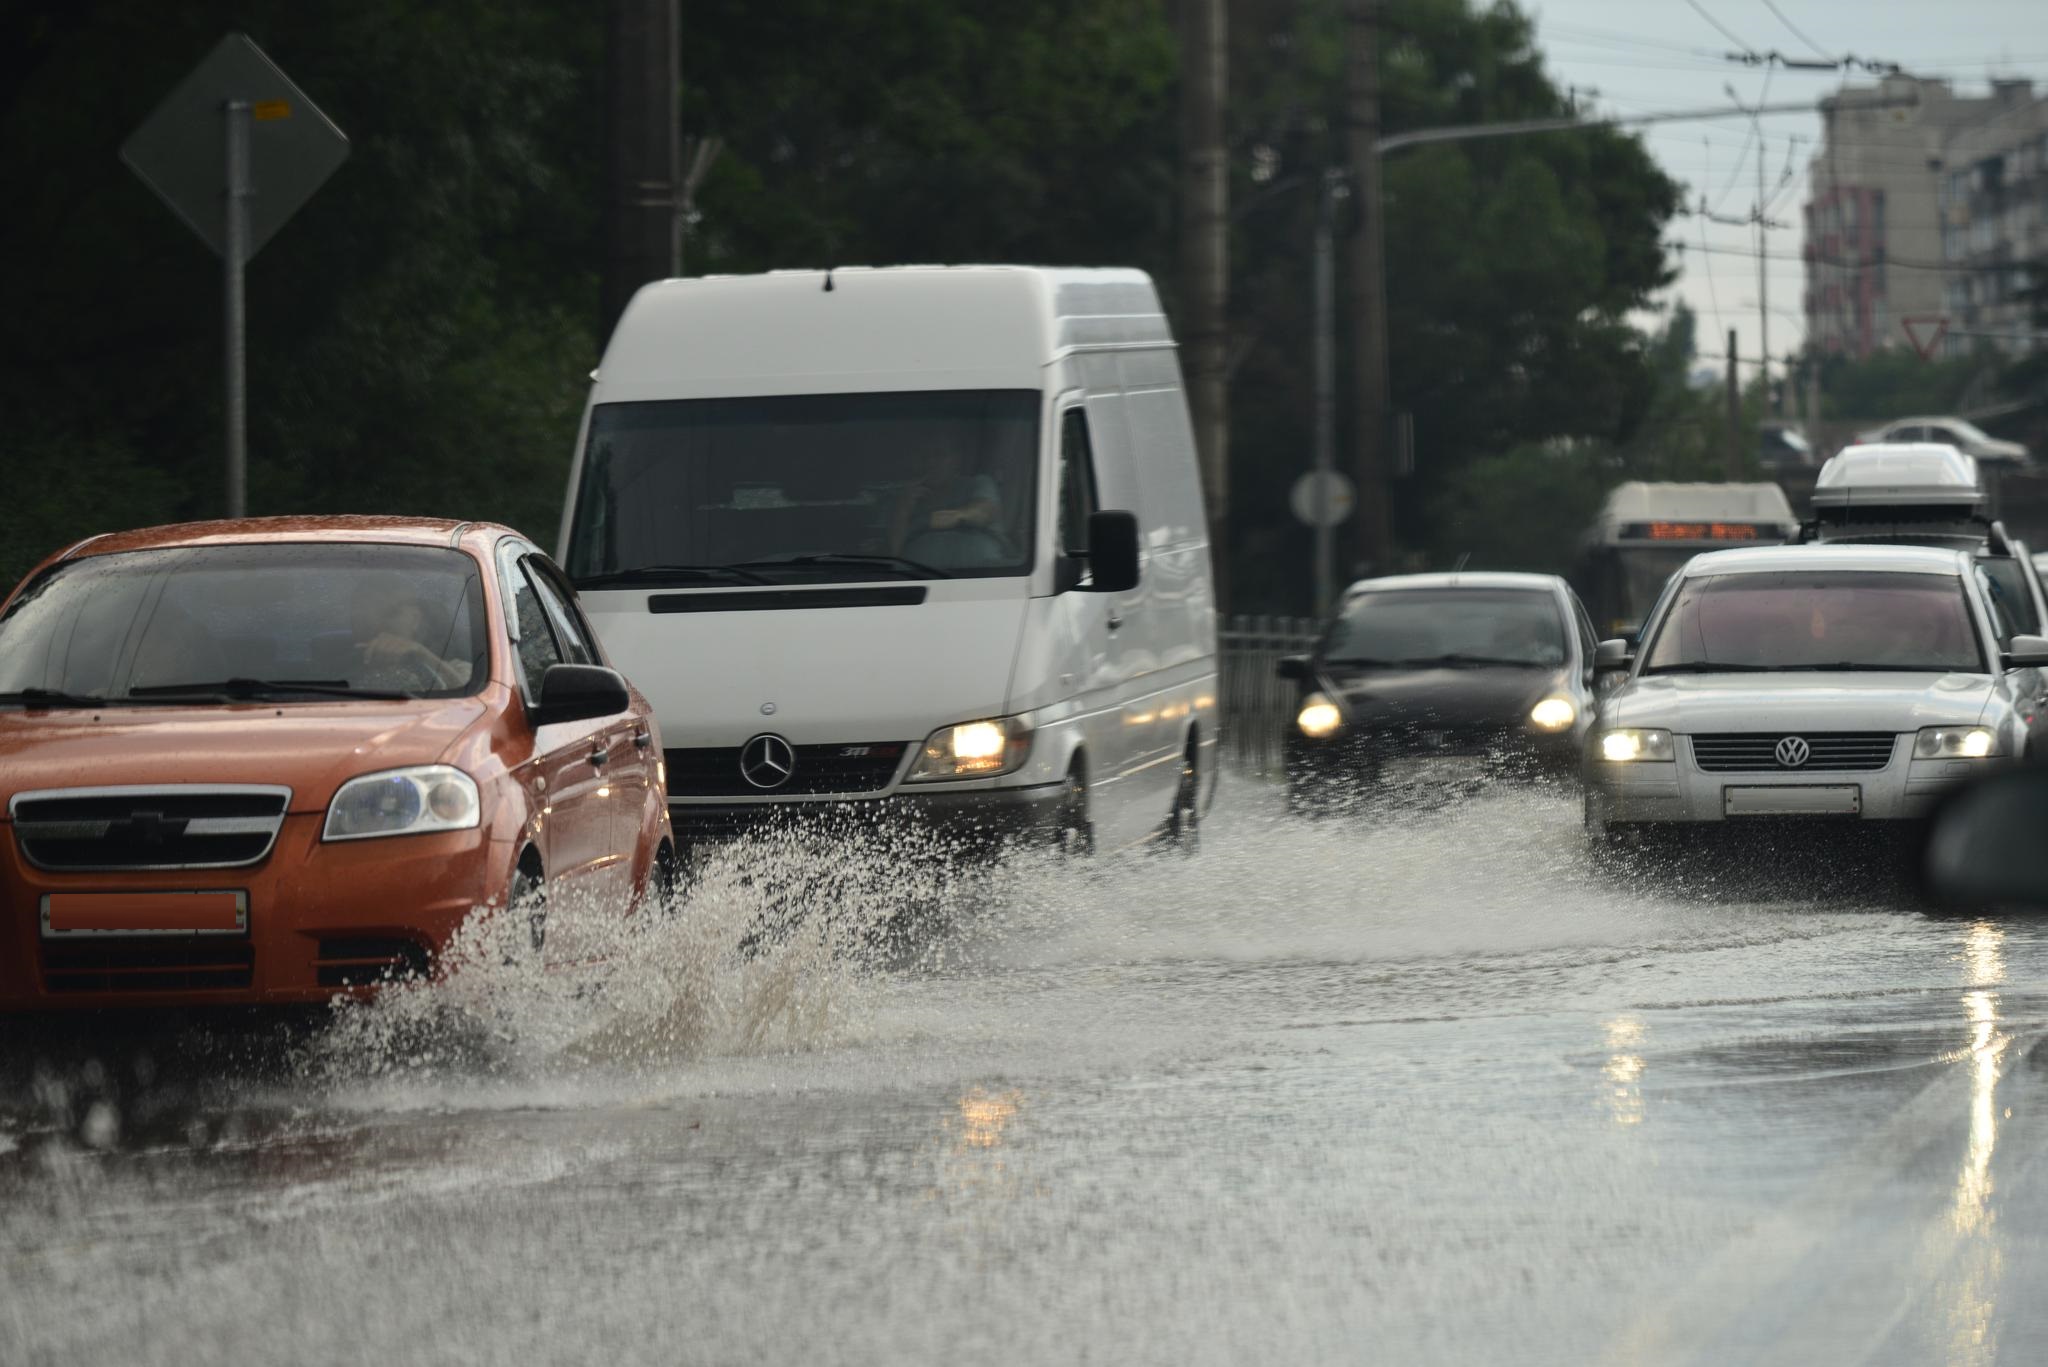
[[944, 498]]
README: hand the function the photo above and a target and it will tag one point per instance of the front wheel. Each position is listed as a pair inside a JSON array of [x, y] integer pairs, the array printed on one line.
[[1074, 836], [529, 901], [1184, 823]]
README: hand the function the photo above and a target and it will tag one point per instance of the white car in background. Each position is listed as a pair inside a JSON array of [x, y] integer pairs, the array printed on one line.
[[1965, 436], [1853, 682]]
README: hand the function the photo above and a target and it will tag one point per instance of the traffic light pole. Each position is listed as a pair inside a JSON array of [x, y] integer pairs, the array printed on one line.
[[235, 116]]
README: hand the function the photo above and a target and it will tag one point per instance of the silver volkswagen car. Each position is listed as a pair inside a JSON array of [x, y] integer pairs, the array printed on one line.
[[1854, 682]]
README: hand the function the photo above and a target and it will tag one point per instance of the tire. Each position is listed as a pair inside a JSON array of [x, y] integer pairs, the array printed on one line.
[[1074, 836], [529, 899], [1184, 823]]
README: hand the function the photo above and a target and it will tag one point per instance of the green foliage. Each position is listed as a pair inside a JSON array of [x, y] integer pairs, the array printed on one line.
[[1896, 383]]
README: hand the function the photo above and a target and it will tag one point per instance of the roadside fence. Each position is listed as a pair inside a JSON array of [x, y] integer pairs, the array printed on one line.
[[1257, 702]]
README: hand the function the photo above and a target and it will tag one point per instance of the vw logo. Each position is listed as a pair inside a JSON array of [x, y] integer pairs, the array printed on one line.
[[767, 761], [1793, 751]]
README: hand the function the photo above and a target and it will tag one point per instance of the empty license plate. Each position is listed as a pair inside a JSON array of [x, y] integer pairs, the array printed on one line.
[[145, 913], [1843, 800]]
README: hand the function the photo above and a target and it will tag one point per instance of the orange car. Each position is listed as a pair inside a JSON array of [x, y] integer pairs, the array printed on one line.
[[266, 761]]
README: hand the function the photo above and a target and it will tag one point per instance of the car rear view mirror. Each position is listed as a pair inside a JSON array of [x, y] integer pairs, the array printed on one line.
[[1984, 846], [1112, 552], [2027, 652], [1613, 655], [579, 693], [1292, 667]]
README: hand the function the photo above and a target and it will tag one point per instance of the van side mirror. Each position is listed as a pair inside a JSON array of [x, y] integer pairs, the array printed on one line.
[[1112, 552], [1292, 667], [579, 693], [1610, 656], [2027, 652]]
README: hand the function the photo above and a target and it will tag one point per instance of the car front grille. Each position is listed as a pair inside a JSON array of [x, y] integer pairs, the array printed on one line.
[[818, 770], [176, 826], [1841, 752]]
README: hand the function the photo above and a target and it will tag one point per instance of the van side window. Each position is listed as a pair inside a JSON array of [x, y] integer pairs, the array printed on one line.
[[537, 646], [1077, 482]]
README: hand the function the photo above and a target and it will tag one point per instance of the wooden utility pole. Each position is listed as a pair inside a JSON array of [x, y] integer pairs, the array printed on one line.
[[642, 211], [1366, 293], [1734, 469], [1205, 261]]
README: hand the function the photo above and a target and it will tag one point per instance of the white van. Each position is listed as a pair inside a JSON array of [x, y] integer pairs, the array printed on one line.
[[921, 541]]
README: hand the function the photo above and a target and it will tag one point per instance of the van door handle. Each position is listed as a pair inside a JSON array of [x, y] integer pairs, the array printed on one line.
[[1115, 622]]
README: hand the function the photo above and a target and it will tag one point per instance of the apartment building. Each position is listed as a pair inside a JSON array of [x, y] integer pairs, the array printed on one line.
[[1994, 222]]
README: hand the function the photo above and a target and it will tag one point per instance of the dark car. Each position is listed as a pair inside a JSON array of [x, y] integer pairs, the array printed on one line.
[[1440, 681]]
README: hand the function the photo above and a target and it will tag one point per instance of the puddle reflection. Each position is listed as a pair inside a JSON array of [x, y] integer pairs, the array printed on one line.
[[1623, 1070], [1979, 1256]]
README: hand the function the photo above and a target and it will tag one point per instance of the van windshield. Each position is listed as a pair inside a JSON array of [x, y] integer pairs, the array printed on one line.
[[922, 485]]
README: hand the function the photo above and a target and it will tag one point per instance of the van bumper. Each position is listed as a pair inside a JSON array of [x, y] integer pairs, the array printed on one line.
[[974, 819]]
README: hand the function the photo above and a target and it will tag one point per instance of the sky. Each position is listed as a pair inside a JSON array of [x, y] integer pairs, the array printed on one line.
[[1646, 55]]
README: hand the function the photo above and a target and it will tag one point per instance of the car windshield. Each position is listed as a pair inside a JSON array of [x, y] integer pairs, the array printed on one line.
[[1451, 626], [289, 622], [1808, 620], [806, 486]]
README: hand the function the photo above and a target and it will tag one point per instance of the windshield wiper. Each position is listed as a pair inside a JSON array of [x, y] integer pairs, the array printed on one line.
[[1455, 658], [53, 697], [915, 569], [241, 687], [1855, 667], [1707, 667], [671, 574]]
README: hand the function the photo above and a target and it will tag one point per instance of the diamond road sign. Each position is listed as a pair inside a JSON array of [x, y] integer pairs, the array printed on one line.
[[179, 149]]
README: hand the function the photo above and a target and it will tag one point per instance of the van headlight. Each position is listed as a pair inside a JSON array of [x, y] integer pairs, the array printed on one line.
[[1636, 745], [1553, 714], [1319, 717], [972, 749], [431, 797], [1955, 742]]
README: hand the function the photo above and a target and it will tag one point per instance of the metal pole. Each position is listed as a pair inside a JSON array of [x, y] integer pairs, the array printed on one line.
[[1734, 467], [1205, 263], [1326, 382], [236, 116], [1367, 305], [1763, 285]]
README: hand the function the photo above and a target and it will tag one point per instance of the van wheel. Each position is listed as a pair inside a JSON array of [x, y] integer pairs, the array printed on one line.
[[529, 900], [1075, 835], [1184, 825]]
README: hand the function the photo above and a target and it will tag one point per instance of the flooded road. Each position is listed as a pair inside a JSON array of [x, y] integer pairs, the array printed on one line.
[[1433, 1092]]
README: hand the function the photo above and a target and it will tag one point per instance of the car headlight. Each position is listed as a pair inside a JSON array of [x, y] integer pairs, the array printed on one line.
[[973, 749], [1553, 714], [1318, 717], [432, 797], [1955, 742], [1635, 745]]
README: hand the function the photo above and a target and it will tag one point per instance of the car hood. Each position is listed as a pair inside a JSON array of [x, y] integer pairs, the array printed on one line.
[[818, 676], [1481, 695], [1696, 703], [311, 748]]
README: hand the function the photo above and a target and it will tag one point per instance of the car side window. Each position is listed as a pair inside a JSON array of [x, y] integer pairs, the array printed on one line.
[[538, 647], [1993, 604], [576, 646], [1589, 644], [1077, 482]]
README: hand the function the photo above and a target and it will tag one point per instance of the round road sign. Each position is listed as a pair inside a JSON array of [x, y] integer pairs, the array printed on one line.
[[1323, 498]]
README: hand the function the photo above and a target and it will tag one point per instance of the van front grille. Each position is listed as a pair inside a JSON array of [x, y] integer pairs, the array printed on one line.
[[1842, 752], [176, 826], [858, 767]]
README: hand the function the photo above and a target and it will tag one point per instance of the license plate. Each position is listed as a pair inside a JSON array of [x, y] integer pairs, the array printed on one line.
[[1841, 800], [145, 913]]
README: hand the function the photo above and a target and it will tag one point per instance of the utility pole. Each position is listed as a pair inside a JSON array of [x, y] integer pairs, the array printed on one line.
[[1325, 286], [1763, 280], [235, 115], [1367, 295], [1734, 467], [1205, 262], [642, 210]]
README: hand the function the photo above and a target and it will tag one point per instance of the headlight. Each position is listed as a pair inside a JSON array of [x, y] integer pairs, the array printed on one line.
[[1554, 714], [973, 749], [1955, 742], [432, 797], [1632, 745], [1318, 717]]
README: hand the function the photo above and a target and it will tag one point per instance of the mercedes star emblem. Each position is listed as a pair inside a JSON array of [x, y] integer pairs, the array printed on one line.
[[1793, 751], [767, 761]]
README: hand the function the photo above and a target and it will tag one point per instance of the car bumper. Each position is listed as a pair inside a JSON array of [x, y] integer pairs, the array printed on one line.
[[980, 819], [1680, 793], [1347, 762], [322, 919]]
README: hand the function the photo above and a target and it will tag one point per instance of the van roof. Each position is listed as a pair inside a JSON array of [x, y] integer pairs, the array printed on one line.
[[871, 329], [1898, 475]]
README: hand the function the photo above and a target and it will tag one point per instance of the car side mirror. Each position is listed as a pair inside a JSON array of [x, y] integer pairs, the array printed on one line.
[[1610, 656], [2027, 652], [579, 693], [1112, 552], [1292, 667]]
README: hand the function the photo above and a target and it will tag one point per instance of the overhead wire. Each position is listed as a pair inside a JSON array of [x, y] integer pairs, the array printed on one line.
[[1725, 31], [1793, 28]]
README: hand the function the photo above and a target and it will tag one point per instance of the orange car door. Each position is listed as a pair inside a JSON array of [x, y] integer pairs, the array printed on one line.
[[571, 756]]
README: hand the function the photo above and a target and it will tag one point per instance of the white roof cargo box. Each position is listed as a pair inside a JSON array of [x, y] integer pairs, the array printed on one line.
[[1919, 475]]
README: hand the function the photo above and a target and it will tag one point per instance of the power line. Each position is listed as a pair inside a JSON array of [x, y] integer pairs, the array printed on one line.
[[1772, 6], [1725, 31]]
